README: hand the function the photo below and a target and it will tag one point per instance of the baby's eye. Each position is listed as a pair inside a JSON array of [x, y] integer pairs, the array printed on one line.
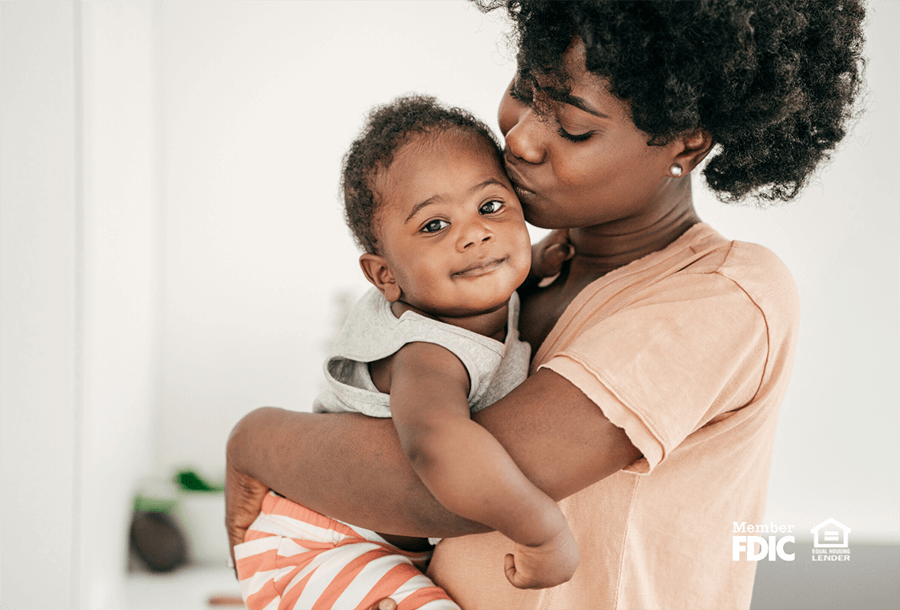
[[491, 207], [435, 225]]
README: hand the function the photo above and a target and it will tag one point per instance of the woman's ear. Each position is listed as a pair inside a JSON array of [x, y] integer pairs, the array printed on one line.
[[694, 148], [377, 271]]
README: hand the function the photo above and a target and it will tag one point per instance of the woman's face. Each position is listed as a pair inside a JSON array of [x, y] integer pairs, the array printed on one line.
[[581, 161]]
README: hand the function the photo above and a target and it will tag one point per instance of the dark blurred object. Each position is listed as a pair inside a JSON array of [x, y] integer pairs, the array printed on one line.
[[157, 541]]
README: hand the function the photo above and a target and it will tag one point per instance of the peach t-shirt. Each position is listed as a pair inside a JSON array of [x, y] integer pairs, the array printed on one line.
[[689, 349]]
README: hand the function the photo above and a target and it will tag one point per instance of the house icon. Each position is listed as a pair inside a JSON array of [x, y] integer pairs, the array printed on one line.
[[830, 534]]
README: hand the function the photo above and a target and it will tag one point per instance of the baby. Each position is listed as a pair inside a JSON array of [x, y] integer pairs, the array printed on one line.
[[446, 246]]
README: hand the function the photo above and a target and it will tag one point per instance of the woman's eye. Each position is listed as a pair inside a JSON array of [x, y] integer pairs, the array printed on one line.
[[435, 225], [491, 207], [572, 137]]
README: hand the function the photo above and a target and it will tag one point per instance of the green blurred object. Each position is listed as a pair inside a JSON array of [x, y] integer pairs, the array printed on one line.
[[145, 504], [191, 481]]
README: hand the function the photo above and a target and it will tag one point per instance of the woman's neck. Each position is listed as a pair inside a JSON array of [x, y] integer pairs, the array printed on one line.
[[599, 250], [604, 248]]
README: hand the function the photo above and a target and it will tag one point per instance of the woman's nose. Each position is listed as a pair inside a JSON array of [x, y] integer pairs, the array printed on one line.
[[522, 129]]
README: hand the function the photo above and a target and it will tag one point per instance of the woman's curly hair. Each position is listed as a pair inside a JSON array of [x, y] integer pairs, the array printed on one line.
[[388, 127], [772, 81]]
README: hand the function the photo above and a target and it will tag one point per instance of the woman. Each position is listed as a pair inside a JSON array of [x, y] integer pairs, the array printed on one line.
[[661, 350]]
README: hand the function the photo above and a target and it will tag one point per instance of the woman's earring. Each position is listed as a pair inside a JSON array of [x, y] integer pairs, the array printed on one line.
[[675, 170]]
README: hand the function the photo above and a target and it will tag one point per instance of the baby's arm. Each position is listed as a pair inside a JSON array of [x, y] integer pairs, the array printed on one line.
[[469, 472]]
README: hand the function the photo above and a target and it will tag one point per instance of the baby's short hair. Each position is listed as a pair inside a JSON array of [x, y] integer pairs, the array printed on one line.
[[387, 129]]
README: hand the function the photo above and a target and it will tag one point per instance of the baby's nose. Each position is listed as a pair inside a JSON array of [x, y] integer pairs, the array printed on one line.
[[474, 233]]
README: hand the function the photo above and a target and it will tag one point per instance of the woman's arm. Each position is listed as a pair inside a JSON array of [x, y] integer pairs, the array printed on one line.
[[559, 439]]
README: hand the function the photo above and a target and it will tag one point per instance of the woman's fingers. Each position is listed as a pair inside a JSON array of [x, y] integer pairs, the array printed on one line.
[[243, 501]]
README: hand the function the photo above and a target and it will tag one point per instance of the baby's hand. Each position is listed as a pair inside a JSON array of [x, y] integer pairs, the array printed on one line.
[[549, 254], [547, 565]]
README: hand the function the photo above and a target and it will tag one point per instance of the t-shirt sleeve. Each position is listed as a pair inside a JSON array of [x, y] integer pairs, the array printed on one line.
[[687, 349]]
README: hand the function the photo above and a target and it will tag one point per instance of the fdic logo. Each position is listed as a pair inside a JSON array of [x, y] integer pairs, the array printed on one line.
[[758, 547]]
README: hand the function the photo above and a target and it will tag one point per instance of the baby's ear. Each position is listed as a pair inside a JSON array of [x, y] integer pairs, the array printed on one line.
[[377, 271]]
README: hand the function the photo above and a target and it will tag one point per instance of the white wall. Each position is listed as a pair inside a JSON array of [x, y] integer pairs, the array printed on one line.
[[40, 374], [79, 280], [120, 284]]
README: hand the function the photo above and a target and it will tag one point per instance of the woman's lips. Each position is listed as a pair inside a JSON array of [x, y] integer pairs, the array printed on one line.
[[481, 268], [522, 194], [523, 191]]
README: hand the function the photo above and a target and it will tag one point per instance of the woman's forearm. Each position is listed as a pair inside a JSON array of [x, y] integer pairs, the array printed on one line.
[[557, 436], [351, 467], [347, 466]]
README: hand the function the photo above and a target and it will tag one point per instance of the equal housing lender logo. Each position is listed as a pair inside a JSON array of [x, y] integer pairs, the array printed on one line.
[[831, 542]]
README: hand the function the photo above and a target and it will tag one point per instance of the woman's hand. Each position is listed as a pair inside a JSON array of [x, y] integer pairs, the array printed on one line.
[[243, 500], [546, 565]]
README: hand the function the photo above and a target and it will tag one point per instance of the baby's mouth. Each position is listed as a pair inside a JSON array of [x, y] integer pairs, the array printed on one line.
[[481, 268]]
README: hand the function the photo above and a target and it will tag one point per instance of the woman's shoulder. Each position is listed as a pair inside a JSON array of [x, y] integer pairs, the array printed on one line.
[[751, 269], [759, 272], [740, 261], [747, 259]]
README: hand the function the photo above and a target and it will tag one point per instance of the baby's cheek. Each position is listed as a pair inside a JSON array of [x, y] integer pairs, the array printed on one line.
[[525, 251], [524, 263]]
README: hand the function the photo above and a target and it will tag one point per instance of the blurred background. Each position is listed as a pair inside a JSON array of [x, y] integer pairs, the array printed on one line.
[[174, 255]]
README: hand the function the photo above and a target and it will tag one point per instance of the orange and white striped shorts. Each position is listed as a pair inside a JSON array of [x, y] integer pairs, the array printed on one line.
[[294, 558]]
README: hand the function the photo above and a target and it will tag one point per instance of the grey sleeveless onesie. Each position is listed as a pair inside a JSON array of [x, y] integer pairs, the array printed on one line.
[[372, 332]]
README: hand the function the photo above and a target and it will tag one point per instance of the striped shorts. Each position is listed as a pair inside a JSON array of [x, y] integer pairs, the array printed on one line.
[[293, 558]]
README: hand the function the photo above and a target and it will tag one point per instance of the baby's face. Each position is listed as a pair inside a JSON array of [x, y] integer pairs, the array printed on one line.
[[451, 226]]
